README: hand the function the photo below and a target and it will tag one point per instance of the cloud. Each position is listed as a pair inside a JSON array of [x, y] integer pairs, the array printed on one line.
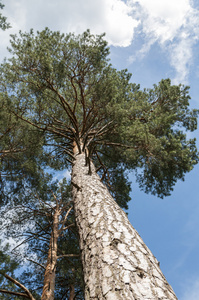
[[162, 19], [174, 26], [110, 16], [181, 59], [62, 174]]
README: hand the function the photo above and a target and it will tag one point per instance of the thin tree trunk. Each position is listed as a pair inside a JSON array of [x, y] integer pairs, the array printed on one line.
[[72, 292], [50, 273], [116, 262]]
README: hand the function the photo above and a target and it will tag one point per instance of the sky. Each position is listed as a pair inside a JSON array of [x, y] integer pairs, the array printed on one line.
[[153, 39]]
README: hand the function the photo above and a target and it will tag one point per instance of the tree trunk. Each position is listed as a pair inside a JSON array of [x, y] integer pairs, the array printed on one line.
[[72, 292], [50, 272], [116, 262]]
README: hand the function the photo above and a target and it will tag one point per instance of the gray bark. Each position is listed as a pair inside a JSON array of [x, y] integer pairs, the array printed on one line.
[[116, 262]]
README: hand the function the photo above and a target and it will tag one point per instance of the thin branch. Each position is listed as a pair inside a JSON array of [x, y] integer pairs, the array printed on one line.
[[36, 263], [29, 238], [46, 127], [90, 111], [56, 132], [37, 249], [71, 225], [15, 293], [13, 151], [38, 236], [76, 98], [57, 203], [65, 150], [100, 131], [60, 131], [68, 255], [18, 284], [90, 122], [103, 167], [66, 106], [44, 229], [114, 144], [69, 129], [83, 104], [40, 200], [27, 121], [65, 218]]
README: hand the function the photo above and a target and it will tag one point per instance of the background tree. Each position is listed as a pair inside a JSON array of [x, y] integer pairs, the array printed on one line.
[[64, 87], [43, 221], [10, 286]]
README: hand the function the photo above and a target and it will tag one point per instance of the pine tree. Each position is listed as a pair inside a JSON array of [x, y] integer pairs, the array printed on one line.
[[43, 219], [96, 121]]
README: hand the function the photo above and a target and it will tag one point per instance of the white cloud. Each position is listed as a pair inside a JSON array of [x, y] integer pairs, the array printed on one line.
[[172, 24], [163, 18], [181, 58], [62, 174], [110, 16]]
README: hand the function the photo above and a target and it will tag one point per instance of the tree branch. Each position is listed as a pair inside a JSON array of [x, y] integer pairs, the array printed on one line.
[[73, 224], [35, 262], [68, 255], [15, 293], [18, 284], [65, 218]]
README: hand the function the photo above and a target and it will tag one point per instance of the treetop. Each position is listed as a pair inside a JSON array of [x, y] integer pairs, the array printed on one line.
[[64, 87]]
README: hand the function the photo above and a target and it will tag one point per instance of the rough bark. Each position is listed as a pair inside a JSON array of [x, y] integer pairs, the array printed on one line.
[[116, 262], [50, 272]]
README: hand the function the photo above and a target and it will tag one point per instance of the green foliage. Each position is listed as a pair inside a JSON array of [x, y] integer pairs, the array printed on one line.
[[30, 217], [3, 23], [154, 123], [21, 157], [65, 88], [7, 265]]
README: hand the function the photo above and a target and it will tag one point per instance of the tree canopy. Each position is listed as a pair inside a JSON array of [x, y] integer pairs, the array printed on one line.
[[65, 88]]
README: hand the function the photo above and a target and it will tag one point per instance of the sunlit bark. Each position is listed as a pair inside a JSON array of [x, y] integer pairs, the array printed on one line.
[[116, 262], [50, 272]]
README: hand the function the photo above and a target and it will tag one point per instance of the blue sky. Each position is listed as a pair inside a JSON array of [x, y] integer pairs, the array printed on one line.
[[154, 39]]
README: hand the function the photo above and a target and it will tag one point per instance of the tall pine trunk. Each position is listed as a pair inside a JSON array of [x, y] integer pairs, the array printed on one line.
[[116, 262]]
